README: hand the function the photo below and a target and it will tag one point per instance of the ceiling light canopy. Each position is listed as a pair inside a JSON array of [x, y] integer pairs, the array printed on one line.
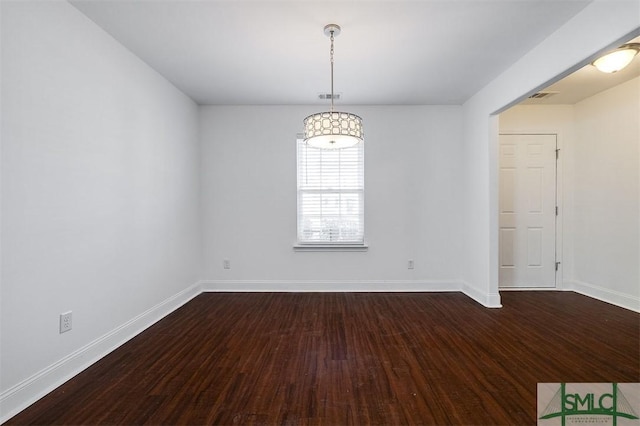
[[617, 59], [333, 129]]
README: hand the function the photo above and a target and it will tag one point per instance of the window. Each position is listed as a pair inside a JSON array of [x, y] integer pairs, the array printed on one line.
[[330, 195]]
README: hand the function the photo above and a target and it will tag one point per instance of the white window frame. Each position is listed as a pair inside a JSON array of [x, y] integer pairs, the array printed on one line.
[[324, 245]]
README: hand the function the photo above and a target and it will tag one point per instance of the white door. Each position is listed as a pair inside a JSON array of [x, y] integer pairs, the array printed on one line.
[[527, 211]]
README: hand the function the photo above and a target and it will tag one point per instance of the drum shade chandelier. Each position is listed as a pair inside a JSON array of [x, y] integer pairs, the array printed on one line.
[[617, 59], [333, 129]]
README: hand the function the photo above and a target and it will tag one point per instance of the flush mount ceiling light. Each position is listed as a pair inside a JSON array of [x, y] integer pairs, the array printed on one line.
[[333, 129], [617, 59]]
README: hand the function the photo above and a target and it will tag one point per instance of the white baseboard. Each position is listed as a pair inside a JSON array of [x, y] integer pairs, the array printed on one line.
[[488, 300], [321, 286], [617, 298], [25, 393], [530, 289]]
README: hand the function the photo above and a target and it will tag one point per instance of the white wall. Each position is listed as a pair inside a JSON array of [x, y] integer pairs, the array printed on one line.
[[99, 196], [412, 201], [607, 206], [601, 25]]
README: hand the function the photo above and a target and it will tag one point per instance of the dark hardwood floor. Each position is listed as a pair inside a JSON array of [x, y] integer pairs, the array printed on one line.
[[350, 358]]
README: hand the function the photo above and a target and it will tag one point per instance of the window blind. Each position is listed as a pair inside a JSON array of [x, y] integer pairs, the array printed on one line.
[[330, 195]]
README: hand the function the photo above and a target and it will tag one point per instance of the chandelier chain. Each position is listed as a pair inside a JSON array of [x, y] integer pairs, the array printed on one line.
[[331, 54]]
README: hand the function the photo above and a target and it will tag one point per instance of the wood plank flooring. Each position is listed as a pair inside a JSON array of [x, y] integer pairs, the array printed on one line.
[[350, 359]]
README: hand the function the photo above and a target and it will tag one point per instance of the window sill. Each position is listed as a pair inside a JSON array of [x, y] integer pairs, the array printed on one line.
[[330, 247]]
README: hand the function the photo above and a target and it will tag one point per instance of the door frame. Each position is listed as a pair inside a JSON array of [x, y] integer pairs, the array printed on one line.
[[559, 204]]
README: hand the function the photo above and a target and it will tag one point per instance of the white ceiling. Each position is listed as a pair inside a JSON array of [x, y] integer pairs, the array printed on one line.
[[275, 52], [586, 82]]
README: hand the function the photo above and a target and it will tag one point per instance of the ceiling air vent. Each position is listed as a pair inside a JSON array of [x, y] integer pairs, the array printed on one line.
[[542, 95], [327, 96]]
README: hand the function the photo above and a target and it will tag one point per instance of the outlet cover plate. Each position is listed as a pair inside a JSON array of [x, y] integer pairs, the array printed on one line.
[[65, 322]]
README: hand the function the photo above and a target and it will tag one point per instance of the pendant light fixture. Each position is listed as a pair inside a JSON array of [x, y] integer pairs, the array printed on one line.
[[333, 129], [617, 59]]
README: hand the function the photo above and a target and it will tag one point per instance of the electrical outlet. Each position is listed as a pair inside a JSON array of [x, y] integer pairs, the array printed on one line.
[[65, 322], [226, 264], [410, 264]]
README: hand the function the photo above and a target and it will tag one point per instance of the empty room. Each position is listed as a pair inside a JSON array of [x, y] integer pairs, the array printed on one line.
[[320, 212]]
